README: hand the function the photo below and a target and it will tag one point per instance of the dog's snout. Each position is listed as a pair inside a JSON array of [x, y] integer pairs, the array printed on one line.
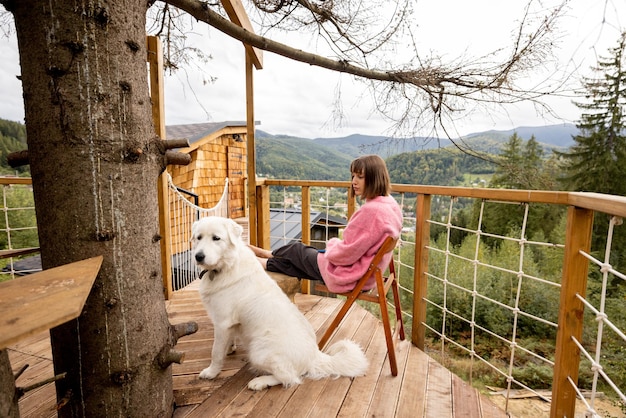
[[199, 256]]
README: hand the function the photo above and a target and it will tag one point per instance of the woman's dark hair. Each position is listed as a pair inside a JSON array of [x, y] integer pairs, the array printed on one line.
[[377, 181]]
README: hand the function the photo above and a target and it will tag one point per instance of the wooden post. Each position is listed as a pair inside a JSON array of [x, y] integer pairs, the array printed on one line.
[[251, 155], [351, 202], [263, 219], [306, 215], [420, 281], [155, 59], [305, 285], [574, 281]]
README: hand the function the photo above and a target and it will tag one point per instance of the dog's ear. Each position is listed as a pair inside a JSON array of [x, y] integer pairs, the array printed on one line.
[[234, 231], [194, 230]]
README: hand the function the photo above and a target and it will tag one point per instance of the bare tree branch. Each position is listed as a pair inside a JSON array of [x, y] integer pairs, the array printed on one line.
[[437, 82], [202, 12]]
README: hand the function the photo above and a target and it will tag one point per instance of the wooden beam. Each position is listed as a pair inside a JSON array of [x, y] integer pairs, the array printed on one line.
[[18, 252], [422, 239], [305, 285], [263, 225], [237, 14], [306, 215], [155, 61], [571, 309], [251, 154], [15, 180], [351, 202], [611, 204]]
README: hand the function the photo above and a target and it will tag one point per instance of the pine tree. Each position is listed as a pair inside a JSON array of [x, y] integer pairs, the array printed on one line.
[[522, 166], [596, 162], [509, 172]]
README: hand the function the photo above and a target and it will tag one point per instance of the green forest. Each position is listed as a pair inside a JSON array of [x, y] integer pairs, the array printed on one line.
[[12, 139]]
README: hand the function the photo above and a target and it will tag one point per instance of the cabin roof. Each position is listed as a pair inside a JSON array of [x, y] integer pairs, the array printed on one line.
[[196, 131]]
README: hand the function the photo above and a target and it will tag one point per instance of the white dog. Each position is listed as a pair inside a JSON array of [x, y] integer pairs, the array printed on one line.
[[243, 300]]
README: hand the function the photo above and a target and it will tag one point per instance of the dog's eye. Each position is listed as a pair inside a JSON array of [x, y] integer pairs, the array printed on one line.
[[216, 238], [199, 237]]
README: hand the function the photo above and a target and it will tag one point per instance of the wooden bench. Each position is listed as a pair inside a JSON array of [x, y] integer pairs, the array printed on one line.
[[45, 299], [36, 303]]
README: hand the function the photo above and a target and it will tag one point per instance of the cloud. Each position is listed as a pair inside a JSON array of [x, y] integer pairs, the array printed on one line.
[[11, 104], [298, 99]]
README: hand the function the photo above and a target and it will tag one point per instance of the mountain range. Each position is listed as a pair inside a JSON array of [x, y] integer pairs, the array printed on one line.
[[283, 156]]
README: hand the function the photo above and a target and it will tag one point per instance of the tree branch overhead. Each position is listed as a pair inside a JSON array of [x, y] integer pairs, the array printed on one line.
[[431, 84]]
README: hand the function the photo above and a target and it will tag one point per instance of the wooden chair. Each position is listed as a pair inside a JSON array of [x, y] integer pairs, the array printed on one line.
[[376, 295]]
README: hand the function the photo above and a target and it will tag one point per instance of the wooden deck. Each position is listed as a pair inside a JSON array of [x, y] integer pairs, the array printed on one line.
[[423, 388]]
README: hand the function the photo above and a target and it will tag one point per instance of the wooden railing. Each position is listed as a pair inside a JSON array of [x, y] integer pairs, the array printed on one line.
[[426, 268], [423, 208]]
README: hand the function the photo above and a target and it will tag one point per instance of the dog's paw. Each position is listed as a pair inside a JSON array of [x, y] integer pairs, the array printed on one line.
[[262, 382], [258, 383], [209, 373]]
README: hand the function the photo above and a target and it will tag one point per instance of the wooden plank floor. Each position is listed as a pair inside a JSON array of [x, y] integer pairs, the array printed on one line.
[[423, 388]]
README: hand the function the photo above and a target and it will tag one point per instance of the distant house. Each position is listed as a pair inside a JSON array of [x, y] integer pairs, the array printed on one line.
[[285, 227], [218, 151]]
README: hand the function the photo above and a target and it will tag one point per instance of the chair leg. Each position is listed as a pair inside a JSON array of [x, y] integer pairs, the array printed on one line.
[[396, 302], [336, 321], [384, 313]]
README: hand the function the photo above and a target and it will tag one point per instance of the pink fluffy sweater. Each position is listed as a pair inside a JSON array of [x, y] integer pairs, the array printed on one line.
[[345, 261]]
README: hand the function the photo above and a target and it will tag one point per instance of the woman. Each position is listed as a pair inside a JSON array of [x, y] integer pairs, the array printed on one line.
[[343, 262]]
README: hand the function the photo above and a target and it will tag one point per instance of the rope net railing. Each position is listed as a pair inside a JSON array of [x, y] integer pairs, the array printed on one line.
[[487, 308], [482, 307], [596, 363], [183, 213], [494, 282], [18, 230], [328, 212], [403, 258], [285, 219]]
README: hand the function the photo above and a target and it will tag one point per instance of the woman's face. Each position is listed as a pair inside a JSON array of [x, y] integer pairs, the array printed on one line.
[[358, 183]]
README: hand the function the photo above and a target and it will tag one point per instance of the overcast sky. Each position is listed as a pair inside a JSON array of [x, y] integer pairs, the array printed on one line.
[[297, 99]]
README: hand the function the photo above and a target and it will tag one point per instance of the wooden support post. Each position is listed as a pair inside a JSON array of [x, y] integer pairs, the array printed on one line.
[[251, 155], [420, 281], [351, 202], [305, 285], [263, 213], [155, 61], [306, 215], [574, 281]]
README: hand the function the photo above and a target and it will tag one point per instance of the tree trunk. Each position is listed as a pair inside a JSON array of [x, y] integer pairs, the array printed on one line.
[[8, 396], [94, 160]]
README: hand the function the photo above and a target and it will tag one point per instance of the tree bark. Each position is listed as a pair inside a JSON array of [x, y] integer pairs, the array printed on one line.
[[8, 395], [94, 159]]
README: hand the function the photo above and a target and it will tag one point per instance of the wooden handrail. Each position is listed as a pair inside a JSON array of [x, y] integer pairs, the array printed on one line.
[[15, 180], [18, 252]]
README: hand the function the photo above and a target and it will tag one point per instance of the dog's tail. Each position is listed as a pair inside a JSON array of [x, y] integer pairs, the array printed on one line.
[[343, 358]]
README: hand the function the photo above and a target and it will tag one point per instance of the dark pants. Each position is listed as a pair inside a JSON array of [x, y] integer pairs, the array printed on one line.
[[295, 259]]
